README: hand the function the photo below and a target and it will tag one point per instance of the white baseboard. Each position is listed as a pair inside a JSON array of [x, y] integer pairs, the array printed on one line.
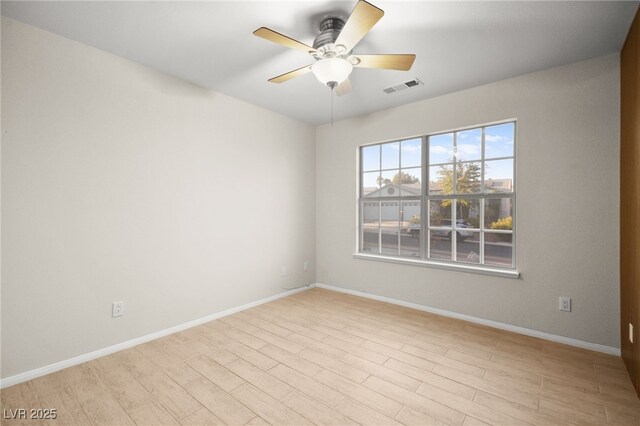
[[38, 372], [495, 324]]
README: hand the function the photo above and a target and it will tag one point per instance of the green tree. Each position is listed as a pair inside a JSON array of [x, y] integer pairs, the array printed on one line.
[[403, 177], [398, 178], [382, 182], [467, 182]]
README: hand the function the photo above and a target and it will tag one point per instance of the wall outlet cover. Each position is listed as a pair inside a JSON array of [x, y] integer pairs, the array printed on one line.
[[117, 309], [565, 304]]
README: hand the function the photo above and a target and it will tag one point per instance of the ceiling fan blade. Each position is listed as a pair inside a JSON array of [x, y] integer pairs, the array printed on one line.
[[291, 74], [402, 62], [282, 39], [343, 88], [362, 19]]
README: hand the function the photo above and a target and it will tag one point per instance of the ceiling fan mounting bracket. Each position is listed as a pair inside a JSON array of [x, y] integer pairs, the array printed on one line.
[[329, 30]]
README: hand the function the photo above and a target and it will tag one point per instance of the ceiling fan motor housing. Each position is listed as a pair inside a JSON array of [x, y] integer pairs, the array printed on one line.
[[329, 30]]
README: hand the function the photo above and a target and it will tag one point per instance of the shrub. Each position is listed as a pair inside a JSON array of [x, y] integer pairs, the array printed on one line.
[[504, 223]]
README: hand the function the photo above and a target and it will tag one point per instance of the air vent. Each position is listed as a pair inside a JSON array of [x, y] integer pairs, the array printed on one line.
[[403, 86]]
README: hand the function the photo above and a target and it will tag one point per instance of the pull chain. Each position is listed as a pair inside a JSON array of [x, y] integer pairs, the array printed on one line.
[[332, 107]]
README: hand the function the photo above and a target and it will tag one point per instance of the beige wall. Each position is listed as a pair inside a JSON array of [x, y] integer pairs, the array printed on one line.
[[567, 202], [122, 183]]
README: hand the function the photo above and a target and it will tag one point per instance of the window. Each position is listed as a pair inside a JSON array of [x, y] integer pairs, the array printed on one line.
[[442, 198]]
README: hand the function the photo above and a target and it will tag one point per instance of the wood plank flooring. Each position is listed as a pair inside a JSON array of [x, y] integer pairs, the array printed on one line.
[[325, 358]]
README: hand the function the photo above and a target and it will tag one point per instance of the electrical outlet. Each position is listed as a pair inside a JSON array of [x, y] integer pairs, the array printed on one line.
[[565, 304], [306, 265], [283, 272], [117, 309], [631, 332]]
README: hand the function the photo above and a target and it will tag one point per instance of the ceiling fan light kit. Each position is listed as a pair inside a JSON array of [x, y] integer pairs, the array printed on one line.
[[332, 71], [333, 49]]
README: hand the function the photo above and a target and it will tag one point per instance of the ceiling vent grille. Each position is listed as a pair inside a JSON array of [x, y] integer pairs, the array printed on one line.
[[403, 86]]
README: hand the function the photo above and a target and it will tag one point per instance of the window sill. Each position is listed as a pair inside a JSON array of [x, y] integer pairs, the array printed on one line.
[[507, 273]]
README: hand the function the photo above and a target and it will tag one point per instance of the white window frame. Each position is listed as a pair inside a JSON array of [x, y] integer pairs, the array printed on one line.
[[425, 198]]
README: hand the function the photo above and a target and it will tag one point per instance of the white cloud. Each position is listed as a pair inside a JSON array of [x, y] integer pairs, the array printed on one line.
[[439, 150], [465, 135], [498, 138], [411, 148], [466, 149]]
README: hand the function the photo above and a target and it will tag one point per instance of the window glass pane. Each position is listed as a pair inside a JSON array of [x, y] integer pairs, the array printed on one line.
[[389, 226], [410, 228], [498, 140], [370, 186], [441, 148], [409, 245], [498, 176], [370, 226], [370, 240], [498, 249], [469, 145], [410, 214], [371, 213], [498, 213], [390, 214], [441, 179], [409, 182], [468, 213], [391, 155], [468, 178], [390, 183], [440, 245], [371, 158], [468, 247], [440, 213], [389, 241], [411, 155]]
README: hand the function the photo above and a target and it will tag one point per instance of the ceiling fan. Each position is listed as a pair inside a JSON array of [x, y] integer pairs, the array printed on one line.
[[333, 49]]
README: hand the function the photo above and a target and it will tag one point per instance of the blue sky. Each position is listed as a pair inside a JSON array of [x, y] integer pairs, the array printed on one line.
[[499, 142], [411, 155]]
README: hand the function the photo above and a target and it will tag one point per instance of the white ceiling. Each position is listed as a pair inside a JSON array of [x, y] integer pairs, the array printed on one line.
[[458, 44]]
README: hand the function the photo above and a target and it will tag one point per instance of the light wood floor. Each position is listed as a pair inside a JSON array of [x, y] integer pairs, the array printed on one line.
[[326, 358]]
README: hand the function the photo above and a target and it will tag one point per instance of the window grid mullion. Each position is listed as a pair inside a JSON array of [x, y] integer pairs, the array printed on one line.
[[469, 196], [454, 173], [400, 211], [380, 202], [361, 225], [454, 201], [464, 161], [482, 162], [424, 213], [482, 200], [481, 226], [379, 227]]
